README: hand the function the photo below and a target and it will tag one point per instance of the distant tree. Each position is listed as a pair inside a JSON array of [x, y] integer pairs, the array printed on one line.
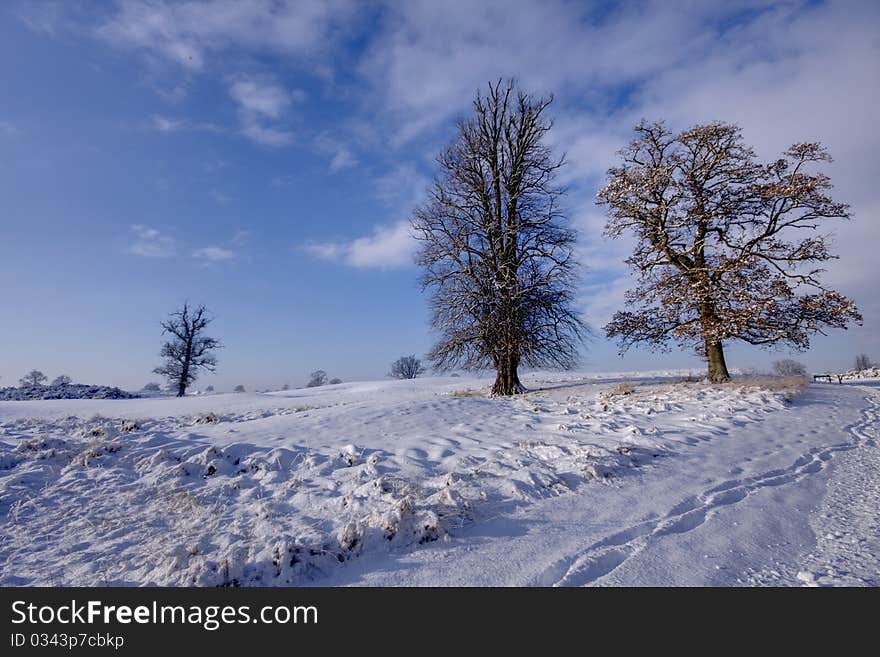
[[334, 382], [238, 388], [863, 362], [189, 350], [497, 253], [286, 386], [61, 380], [152, 387], [789, 367], [406, 367], [317, 378], [723, 243], [209, 389], [32, 378]]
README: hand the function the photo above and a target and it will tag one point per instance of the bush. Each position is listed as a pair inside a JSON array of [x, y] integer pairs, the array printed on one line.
[[152, 387], [238, 388], [333, 382], [789, 367], [209, 389]]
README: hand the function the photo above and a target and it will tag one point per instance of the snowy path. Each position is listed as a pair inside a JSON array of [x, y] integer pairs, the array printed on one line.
[[757, 528]]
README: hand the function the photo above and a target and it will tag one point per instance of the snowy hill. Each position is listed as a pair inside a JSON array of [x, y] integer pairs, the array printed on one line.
[[399, 482]]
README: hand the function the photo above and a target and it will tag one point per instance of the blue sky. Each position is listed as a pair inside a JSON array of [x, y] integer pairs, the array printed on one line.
[[263, 157]]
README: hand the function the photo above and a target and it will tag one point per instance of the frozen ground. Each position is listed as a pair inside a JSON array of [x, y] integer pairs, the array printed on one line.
[[428, 482]]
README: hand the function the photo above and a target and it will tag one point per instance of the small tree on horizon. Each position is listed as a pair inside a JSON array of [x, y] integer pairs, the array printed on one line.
[[61, 380], [152, 387], [238, 388], [496, 250], [789, 367], [209, 389], [32, 378], [189, 350], [723, 243], [863, 362], [316, 379], [406, 367], [334, 381]]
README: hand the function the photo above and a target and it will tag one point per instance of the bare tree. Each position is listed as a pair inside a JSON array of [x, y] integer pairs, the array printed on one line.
[[406, 367], [789, 367], [317, 378], [863, 362], [189, 350], [61, 380], [723, 243], [496, 251], [32, 378]]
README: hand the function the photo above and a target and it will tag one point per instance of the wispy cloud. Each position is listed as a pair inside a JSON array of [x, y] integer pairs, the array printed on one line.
[[164, 124], [151, 243], [339, 153], [240, 237], [219, 197], [388, 247], [402, 187], [260, 100], [262, 97], [193, 34], [213, 254], [9, 129]]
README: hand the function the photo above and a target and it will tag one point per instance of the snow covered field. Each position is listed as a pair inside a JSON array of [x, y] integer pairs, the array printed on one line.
[[585, 480]]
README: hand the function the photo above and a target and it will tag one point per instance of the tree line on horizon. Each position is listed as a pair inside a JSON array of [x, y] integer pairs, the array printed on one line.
[[727, 248]]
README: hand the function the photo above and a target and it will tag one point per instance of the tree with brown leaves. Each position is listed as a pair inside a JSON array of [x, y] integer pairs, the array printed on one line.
[[496, 251], [725, 246]]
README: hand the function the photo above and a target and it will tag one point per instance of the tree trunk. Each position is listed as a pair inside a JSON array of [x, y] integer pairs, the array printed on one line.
[[507, 381], [717, 366]]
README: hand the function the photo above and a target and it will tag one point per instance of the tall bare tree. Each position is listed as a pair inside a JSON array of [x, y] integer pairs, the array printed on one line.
[[189, 350], [724, 244], [863, 362], [496, 251]]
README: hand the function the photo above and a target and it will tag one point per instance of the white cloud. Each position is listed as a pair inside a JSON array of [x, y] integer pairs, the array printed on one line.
[[342, 159], [260, 100], [164, 124], [240, 237], [151, 243], [265, 135], [262, 97], [213, 254], [388, 247], [192, 34], [340, 155]]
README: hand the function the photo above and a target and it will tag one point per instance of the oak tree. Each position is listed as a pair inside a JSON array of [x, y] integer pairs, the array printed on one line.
[[726, 248]]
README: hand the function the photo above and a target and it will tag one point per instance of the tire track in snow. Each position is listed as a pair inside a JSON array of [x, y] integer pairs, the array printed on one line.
[[606, 555]]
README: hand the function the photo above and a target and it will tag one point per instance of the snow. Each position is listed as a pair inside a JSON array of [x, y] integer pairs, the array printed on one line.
[[584, 480]]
